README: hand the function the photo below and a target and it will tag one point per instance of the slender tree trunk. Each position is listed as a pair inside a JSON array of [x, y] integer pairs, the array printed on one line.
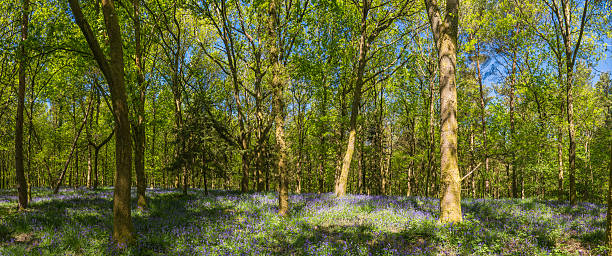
[[571, 51], [89, 166], [2, 174], [512, 130], [445, 35], [95, 169], [381, 142], [340, 190], [76, 165], [430, 124], [204, 178], [473, 176], [153, 137], [571, 135], [361, 172], [560, 160], [483, 113], [23, 62], [609, 214], [164, 178], [139, 126], [322, 145]]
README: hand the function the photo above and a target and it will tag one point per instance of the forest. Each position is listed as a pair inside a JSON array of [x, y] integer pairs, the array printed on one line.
[[305, 127]]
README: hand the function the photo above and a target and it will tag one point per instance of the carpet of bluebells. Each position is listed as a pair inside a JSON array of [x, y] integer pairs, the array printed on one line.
[[79, 222]]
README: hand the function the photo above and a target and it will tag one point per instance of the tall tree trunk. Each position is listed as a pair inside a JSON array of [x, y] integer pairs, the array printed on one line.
[[571, 137], [89, 166], [483, 111], [76, 166], [361, 171], [153, 137], [430, 124], [381, 142], [204, 177], [139, 103], [512, 130], [278, 85], [113, 71], [2, 174], [340, 190], [471, 165], [563, 20], [609, 214], [322, 157], [560, 160], [23, 62], [445, 36]]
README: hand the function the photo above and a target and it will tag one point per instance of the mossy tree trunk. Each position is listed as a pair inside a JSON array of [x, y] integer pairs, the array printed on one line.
[[445, 36], [278, 86]]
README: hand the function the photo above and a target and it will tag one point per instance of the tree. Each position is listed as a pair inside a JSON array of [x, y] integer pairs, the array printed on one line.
[[606, 84], [138, 127], [114, 73], [278, 86], [22, 187], [445, 35], [609, 215], [563, 26], [367, 36]]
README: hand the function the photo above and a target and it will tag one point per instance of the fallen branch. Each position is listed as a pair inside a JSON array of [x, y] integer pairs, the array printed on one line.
[[478, 165]]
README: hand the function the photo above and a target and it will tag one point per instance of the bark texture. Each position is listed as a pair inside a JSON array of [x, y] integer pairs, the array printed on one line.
[[445, 36], [278, 86]]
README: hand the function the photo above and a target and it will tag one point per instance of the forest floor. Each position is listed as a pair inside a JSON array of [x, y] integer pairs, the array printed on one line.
[[79, 222]]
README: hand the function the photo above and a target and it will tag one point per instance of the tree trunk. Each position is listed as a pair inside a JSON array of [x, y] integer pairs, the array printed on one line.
[[340, 190], [360, 170], [430, 124], [571, 51], [204, 178], [512, 130], [483, 113], [609, 215], [572, 140], [153, 137], [113, 71], [139, 126], [76, 166], [560, 160], [278, 85], [445, 35], [23, 62], [89, 167], [322, 145]]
